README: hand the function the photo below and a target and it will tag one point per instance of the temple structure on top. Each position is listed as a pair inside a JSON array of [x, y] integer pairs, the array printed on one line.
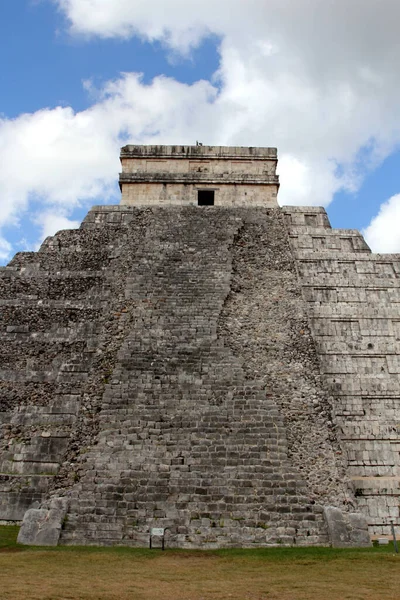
[[201, 362], [198, 176]]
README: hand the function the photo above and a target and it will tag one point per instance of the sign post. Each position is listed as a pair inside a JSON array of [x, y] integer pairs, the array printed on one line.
[[394, 538], [157, 532]]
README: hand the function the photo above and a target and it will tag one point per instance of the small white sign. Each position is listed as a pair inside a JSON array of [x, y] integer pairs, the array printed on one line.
[[157, 531]]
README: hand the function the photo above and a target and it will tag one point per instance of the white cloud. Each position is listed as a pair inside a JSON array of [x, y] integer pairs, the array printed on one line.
[[58, 157], [5, 249], [319, 80], [53, 220], [383, 233], [176, 22]]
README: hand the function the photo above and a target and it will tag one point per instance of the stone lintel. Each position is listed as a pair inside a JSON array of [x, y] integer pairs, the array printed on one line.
[[198, 152], [198, 178]]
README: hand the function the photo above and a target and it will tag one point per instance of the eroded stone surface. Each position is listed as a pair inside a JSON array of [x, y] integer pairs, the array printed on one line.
[[173, 175], [353, 300], [192, 438], [42, 526], [346, 529], [167, 377]]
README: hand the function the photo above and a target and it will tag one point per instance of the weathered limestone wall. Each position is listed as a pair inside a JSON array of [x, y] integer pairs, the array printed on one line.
[[169, 350], [59, 337], [185, 194], [161, 175], [246, 166], [199, 152], [354, 308], [189, 439]]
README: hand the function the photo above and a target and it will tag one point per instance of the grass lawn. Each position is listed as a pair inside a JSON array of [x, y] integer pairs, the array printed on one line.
[[83, 573]]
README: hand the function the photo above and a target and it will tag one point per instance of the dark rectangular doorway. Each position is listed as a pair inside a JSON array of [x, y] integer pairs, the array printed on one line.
[[205, 197]]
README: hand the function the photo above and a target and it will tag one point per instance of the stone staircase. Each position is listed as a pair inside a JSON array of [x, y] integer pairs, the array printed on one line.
[[158, 369], [189, 439]]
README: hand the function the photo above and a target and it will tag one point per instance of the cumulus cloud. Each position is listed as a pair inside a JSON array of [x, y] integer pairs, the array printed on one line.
[[62, 157], [319, 80], [322, 68], [57, 157], [5, 249], [53, 220], [383, 233], [175, 22]]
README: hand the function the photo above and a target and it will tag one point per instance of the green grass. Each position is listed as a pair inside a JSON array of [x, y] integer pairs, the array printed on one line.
[[93, 573], [9, 534]]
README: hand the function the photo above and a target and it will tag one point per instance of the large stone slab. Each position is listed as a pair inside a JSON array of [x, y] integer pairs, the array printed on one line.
[[42, 526], [346, 529]]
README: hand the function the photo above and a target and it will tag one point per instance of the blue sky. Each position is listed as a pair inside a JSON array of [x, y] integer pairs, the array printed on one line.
[[79, 78]]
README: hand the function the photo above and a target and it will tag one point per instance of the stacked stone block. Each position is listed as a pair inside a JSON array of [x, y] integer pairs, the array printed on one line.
[[173, 175], [58, 334], [354, 308], [158, 370], [191, 438]]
